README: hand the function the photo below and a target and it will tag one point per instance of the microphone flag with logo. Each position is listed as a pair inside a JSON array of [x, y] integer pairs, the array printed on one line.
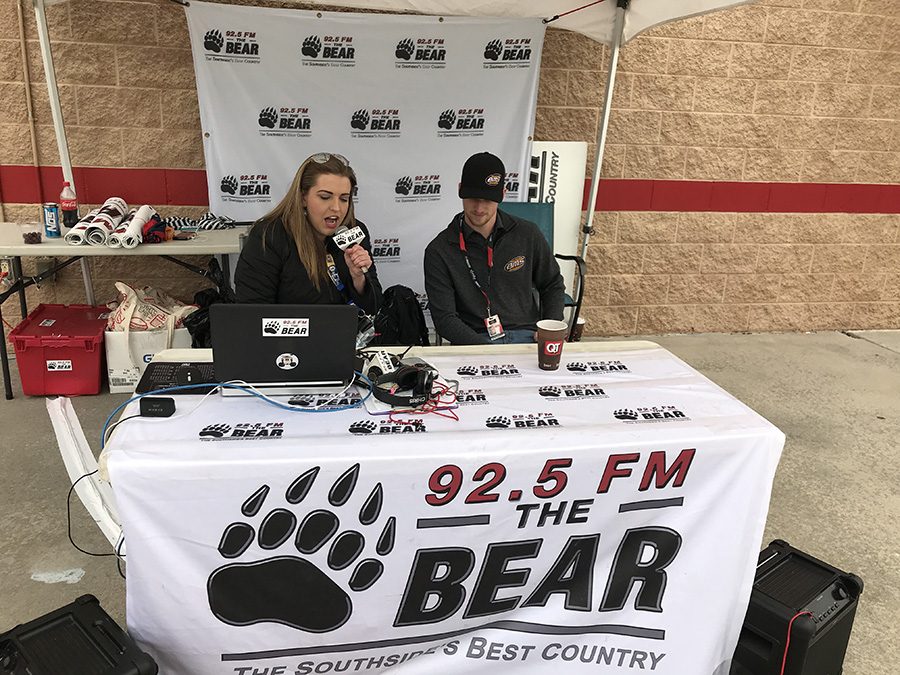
[[345, 237]]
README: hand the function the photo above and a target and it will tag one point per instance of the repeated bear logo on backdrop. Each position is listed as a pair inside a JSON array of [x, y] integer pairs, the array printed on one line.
[[247, 188], [424, 187], [375, 123], [236, 46], [420, 53], [326, 51], [461, 122], [511, 52]]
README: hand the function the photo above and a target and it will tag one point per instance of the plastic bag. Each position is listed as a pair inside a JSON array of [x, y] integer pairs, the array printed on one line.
[[146, 309]]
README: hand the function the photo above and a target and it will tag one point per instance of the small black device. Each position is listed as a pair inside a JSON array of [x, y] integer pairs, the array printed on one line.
[[164, 374], [72, 640], [789, 583], [157, 406], [414, 380]]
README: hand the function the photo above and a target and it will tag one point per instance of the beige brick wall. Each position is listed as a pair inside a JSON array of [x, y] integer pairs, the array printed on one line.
[[779, 90]]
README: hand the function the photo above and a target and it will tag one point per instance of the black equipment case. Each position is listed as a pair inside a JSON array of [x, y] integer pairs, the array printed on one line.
[[78, 639], [787, 583]]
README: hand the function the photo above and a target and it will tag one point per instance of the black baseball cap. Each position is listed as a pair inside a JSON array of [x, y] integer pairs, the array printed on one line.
[[483, 177]]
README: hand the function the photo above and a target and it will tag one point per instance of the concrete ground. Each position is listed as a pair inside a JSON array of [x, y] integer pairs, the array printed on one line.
[[836, 493]]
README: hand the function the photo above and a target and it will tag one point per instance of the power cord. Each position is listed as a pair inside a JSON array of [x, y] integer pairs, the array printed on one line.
[[243, 386], [787, 643], [108, 429], [117, 553]]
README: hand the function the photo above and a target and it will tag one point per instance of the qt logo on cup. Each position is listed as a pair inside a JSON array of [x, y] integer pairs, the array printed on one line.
[[551, 348]]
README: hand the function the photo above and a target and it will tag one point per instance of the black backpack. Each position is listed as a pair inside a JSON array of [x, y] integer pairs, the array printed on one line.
[[400, 320]]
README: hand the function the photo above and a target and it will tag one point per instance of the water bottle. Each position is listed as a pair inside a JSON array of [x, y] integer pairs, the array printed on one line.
[[68, 204]]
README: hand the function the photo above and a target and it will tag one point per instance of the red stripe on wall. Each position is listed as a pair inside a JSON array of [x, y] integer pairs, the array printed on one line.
[[617, 194], [187, 187], [184, 187]]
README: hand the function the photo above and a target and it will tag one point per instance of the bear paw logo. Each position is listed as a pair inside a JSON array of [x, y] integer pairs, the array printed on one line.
[[403, 186], [404, 49], [625, 414], [229, 185], [550, 391], [215, 430], [577, 367], [492, 50], [360, 428], [497, 422], [467, 370], [290, 589], [447, 119], [268, 117], [360, 119], [303, 401], [271, 328], [213, 41], [311, 46]]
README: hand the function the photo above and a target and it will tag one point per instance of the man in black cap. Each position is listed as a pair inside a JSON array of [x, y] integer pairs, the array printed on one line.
[[482, 271]]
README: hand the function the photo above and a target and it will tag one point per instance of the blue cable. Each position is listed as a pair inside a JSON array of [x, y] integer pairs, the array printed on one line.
[[228, 385]]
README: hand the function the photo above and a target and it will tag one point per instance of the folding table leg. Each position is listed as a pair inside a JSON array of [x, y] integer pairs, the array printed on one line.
[[88, 282], [17, 274], [4, 357]]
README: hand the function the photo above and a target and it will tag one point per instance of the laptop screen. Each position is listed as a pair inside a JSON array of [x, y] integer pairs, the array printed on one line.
[[284, 346]]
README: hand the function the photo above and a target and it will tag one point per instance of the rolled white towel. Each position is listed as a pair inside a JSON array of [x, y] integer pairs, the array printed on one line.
[[76, 236], [130, 231], [108, 218]]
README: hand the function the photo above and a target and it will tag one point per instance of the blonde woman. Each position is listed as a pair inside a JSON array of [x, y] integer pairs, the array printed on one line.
[[290, 257]]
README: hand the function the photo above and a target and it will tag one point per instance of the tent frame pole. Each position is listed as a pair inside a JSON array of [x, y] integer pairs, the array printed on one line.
[[40, 14], [618, 30], [52, 90]]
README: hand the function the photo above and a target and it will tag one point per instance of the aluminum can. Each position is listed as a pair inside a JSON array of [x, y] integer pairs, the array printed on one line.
[[51, 220]]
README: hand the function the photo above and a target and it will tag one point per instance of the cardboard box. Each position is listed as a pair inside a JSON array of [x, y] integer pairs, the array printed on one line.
[[127, 354]]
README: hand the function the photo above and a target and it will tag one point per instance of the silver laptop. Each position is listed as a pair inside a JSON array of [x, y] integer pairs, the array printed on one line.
[[284, 349]]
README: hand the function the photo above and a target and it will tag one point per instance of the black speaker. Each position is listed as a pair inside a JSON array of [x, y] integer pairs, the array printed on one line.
[[78, 639], [789, 583]]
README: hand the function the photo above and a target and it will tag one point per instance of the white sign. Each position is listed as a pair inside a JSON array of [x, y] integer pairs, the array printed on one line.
[[602, 516], [407, 99], [557, 176]]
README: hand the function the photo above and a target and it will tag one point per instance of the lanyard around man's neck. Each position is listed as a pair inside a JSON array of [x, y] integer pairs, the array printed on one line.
[[490, 258]]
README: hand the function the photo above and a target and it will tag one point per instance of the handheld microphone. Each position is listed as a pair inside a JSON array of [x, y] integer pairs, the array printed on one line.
[[345, 237]]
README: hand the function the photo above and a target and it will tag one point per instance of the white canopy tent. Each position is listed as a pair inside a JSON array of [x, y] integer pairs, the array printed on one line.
[[611, 22]]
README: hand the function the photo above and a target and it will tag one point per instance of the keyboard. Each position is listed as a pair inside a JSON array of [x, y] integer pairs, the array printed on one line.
[[164, 374]]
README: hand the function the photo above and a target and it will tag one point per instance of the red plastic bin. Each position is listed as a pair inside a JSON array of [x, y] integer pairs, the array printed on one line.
[[59, 349]]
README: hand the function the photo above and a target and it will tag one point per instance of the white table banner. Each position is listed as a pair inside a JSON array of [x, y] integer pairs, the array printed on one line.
[[603, 517], [405, 98]]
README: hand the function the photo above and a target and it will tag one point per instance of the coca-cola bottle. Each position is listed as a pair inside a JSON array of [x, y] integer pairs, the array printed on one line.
[[68, 204]]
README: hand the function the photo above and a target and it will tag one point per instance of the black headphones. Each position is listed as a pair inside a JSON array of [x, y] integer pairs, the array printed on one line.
[[416, 379]]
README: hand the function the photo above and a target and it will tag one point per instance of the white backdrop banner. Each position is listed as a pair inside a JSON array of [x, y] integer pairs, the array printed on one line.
[[605, 517], [405, 98]]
